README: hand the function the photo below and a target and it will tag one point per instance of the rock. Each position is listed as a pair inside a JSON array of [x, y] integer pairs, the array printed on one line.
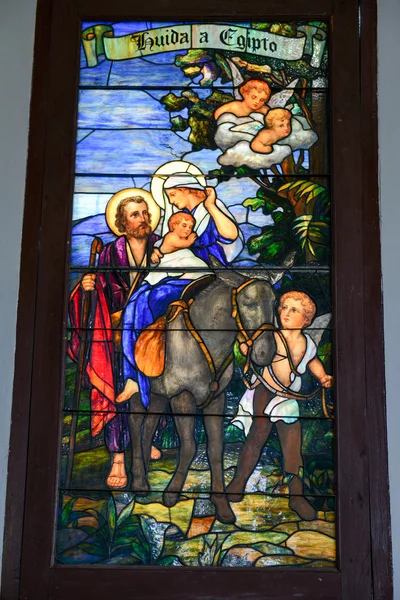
[[280, 560], [322, 564], [287, 528], [268, 549], [203, 508], [250, 537], [325, 527], [312, 544], [200, 526], [240, 557], [259, 513], [188, 551], [179, 515]]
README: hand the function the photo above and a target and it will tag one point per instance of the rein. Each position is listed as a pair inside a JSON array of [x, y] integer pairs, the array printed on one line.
[[242, 337]]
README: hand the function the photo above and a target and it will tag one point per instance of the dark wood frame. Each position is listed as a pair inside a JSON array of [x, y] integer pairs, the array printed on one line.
[[363, 508]]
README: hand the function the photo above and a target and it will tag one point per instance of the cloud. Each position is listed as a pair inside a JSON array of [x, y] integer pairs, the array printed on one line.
[[241, 154], [235, 134]]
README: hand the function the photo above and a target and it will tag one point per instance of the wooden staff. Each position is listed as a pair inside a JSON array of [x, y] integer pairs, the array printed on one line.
[[96, 248]]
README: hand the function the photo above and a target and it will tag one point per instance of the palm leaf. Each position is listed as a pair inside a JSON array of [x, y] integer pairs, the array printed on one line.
[[125, 512], [291, 186], [318, 189], [66, 512], [112, 516], [303, 188]]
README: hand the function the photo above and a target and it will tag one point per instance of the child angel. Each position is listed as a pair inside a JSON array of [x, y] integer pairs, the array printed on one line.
[[259, 130], [274, 400]]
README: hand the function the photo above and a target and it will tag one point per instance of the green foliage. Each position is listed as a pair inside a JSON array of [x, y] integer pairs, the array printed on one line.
[[306, 190], [211, 554], [268, 200], [213, 66], [325, 353], [318, 473], [97, 534], [179, 123], [200, 114], [174, 103], [302, 223], [311, 234], [275, 241]]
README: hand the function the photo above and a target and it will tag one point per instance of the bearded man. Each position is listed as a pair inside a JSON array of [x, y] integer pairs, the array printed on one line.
[[121, 269]]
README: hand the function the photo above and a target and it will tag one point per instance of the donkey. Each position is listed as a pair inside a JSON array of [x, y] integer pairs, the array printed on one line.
[[189, 384]]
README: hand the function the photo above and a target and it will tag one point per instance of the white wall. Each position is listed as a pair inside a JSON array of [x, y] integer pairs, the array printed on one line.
[[16, 44], [17, 22], [389, 136]]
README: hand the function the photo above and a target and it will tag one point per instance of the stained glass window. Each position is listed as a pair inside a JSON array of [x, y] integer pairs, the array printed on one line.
[[197, 426]]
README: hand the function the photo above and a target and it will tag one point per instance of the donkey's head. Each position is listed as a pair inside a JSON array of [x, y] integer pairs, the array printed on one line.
[[252, 306], [255, 301]]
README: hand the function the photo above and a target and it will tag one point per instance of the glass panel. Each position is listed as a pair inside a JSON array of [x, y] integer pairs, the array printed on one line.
[[197, 422]]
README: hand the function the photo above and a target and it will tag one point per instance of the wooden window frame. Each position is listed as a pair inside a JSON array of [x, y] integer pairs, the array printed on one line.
[[364, 545]]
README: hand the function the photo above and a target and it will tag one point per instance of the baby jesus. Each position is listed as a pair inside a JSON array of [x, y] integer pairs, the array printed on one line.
[[180, 234], [175, 253], [278, 126]]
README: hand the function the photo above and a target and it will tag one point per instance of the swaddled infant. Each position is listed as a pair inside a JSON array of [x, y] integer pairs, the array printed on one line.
[[175, 251]]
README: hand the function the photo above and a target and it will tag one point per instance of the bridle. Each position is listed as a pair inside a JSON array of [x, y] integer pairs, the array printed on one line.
[[242, 337]]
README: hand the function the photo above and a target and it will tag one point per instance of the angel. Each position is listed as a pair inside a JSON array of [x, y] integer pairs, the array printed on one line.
[[254, 93], [271, 397], [278, 127]]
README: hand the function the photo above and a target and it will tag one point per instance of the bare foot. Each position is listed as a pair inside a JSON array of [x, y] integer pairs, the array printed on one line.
[[117, 478], [131, 387], [155, 453]]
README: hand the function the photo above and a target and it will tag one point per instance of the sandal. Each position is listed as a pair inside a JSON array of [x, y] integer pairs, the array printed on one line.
[[117, 480]]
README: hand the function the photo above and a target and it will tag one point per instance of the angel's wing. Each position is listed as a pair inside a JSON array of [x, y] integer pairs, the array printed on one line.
[[318, 326], [253, 127], [237, 79], [280, 99]]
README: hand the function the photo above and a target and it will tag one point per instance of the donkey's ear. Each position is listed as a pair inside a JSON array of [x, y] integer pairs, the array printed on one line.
[[231, 278], [262, 275], [226, 275], [214, 262]]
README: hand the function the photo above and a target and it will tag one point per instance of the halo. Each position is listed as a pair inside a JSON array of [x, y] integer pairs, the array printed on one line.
[[111, 208], [170, 168]]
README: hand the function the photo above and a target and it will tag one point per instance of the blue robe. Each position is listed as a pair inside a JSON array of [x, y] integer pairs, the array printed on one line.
[[207, 244], [150, 302]]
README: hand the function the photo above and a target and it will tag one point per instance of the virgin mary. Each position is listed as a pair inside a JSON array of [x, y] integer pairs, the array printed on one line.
[[176, 186]]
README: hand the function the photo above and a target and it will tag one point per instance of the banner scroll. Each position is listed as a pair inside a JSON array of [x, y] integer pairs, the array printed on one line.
[[99, 39]]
